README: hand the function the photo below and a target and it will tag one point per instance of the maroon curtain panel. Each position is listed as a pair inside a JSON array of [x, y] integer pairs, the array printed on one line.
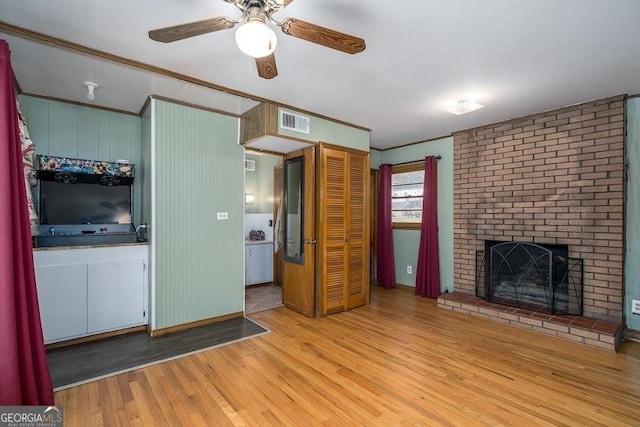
[[386, 267], [24, 373], [428, 269]]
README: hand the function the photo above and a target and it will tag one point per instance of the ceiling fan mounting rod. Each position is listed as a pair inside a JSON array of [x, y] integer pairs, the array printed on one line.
[[255, 13], [266, 6], [255, 10]]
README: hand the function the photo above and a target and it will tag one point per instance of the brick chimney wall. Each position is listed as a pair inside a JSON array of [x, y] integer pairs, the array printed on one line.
[[551, 178]]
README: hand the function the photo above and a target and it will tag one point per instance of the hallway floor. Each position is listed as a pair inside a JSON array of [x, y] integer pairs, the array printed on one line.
[[262, 297]]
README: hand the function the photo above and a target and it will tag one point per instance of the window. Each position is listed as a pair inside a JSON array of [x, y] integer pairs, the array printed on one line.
[[407, 183]]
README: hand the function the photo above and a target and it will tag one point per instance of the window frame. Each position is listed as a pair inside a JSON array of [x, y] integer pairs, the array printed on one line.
[[412, 167]]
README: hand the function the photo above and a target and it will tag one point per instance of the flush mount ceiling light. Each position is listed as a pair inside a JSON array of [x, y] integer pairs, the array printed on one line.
[[91, 87], [255, 38], [464, 106]]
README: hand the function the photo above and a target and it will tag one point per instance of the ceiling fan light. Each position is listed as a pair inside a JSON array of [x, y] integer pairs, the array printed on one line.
[[256, 39]]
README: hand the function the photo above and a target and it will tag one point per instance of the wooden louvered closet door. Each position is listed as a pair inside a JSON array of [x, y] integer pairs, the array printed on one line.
[[357, 231], [332, 234], [343, 229]]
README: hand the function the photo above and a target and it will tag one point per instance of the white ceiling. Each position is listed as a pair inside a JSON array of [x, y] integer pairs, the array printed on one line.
[[515, 56]]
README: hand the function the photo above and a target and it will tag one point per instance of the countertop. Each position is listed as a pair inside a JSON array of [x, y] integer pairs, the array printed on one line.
[[258, 242], [57, 248]]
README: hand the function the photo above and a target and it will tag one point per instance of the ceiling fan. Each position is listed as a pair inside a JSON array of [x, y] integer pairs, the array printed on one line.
[[255, 38]]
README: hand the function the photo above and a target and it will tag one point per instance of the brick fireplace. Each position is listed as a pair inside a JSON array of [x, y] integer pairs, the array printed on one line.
[[554, 178]]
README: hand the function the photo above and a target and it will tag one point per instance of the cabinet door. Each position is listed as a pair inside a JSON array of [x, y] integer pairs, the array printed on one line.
[[62, 297], [264, 263], [258, 264], [115, 294], [250, 271]]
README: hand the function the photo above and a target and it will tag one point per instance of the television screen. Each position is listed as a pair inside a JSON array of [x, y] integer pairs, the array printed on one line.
[[82, 203]]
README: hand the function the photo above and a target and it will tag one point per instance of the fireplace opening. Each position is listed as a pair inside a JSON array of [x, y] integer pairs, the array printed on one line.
[[531, 276]]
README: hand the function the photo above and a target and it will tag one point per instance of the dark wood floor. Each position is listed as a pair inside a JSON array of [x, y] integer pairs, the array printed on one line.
[[78, 363], [399, 361]]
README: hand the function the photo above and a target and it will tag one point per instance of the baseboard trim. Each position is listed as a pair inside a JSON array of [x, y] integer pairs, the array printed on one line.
[[399, 286], [195, 324], [406, 288], [260, 285], [95, 337], [631, 335]]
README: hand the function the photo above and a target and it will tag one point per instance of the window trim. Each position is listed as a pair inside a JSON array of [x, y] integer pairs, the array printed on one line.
[[411, 167]]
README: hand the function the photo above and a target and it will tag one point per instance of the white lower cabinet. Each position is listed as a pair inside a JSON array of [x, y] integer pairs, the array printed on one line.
[[115, 295], [91, 290], [62, 297], [258, 264]]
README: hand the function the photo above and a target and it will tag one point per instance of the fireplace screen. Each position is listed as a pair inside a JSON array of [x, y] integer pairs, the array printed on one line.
[[530, 276]]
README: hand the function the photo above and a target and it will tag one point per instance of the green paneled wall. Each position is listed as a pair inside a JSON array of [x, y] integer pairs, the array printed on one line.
[[632, 258], [199, 171], [322, 130], [375, 158], [260, 182], [144, 170], [406, 242], [69, 130]]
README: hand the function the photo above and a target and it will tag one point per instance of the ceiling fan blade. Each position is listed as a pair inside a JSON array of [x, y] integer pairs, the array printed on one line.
[[323, 36], [183, 31], [267, 68]]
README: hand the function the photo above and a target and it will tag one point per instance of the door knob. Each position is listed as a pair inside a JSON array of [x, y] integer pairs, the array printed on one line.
[[310, 242]]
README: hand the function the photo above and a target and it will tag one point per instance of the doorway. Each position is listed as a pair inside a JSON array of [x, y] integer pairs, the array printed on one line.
[[262, 297], [259, 220]]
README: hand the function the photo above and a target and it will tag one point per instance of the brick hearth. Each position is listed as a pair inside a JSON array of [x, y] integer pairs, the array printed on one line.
[[594, 332]]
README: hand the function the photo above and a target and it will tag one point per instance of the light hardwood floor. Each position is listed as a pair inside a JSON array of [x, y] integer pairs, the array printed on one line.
[[398, 361]]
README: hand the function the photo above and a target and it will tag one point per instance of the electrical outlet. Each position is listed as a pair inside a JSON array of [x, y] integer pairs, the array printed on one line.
[[635, 306], [409, 269], [222, 215]]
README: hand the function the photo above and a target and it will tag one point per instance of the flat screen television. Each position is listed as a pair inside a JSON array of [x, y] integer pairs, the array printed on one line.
[[82, 203]]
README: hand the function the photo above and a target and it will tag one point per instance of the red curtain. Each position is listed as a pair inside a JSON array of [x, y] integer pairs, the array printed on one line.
[[428, 269], [384, 249], [24, 373]]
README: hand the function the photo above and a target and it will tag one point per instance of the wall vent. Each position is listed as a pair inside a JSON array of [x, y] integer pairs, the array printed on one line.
[[294, 122], [249, 165]]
